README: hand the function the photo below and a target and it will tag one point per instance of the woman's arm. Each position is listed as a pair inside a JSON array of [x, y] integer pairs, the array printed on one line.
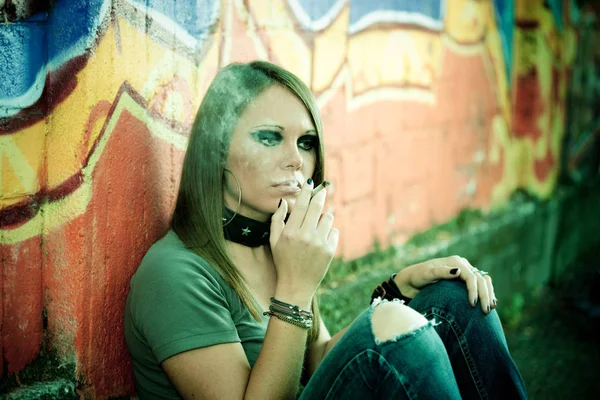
[[411, 280], [302, 250], [318, 349], [222, 371]]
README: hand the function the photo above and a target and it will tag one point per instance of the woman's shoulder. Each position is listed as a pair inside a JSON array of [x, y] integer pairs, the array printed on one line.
[[167, 245], [169, 258]]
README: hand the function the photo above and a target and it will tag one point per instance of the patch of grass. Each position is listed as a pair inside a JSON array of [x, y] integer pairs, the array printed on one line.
[[47, 367]]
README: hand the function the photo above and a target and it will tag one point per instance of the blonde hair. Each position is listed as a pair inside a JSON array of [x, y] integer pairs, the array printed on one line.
[[200, 201]]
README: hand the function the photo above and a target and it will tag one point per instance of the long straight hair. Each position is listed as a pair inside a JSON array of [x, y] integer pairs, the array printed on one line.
[[200, 201]]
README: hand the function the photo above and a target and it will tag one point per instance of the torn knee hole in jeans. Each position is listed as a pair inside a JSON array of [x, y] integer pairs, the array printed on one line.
[[379, 300], [412, 328]]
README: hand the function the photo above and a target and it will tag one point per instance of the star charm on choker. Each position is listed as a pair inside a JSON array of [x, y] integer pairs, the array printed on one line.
[[245, 231]]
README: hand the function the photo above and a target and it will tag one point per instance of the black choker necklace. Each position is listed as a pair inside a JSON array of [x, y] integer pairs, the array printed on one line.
[[244, 230]]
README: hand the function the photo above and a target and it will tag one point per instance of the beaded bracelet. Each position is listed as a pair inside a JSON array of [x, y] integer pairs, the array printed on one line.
[[389, 290]]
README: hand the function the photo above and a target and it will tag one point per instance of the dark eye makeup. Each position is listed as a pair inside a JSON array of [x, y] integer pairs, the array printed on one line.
[[267, 137], [271, 138], [308, 142]]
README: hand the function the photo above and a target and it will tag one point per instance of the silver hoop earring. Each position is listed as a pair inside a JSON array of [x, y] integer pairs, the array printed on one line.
[[239, 185]]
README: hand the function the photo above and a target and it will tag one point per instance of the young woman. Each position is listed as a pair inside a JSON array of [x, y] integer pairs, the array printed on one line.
[[223, 306]]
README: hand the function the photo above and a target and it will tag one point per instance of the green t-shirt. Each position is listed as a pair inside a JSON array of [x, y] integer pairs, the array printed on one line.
[[178, 302]]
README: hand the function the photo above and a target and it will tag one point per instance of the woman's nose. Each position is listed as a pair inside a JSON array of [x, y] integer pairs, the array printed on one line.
[[292, 158]]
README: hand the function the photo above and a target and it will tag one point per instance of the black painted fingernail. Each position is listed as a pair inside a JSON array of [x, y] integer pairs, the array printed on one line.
[[309, 181], [279, 205], [475, 302], [453, 271], [488, 308]]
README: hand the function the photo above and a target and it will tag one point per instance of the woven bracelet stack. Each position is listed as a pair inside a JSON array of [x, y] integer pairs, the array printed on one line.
[[290, 313]]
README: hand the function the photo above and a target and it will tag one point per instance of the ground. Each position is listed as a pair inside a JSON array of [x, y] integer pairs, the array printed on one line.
[[556, 343]]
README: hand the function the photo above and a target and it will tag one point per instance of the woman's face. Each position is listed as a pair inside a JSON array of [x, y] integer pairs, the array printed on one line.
[[273, 152]]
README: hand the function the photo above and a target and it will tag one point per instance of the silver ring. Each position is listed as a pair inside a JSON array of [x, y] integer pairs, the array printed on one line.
[[473, 269], [483, 273]]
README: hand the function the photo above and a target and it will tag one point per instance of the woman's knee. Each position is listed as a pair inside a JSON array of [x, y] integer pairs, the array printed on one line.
[[450, 295], [391, 319]]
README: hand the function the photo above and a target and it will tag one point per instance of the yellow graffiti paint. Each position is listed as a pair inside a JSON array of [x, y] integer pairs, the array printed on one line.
[[467, 21], [393, 58], [62, 144], [57, 213], [21, 155], [330, 50], [273, 19], [377, 64]]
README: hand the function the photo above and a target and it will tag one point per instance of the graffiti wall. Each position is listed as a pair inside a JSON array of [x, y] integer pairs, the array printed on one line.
[[428, 107], [582, 133], [544, 52]]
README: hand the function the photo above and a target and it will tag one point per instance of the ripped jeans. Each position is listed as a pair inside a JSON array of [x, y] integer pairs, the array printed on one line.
[[459, 353]]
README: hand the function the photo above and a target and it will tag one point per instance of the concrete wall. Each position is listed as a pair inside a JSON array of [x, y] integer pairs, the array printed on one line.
[[428, 107]]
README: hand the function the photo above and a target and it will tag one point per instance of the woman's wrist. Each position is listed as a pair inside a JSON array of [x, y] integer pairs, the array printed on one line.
[[401, 279], [291, 296], [389, 290], [290, 313]]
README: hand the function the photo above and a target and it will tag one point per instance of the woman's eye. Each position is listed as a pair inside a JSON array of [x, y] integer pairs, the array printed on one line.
[[307, 145], [267, 137], [269, 141]]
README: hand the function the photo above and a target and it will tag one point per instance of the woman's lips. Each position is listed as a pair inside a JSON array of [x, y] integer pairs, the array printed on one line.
[[287, 189]]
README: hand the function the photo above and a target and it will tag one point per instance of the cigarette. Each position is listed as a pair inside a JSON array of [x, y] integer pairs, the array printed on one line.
[[319, 188]]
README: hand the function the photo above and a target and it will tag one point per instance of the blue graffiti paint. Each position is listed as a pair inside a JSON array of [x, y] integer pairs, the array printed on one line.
[[42, 43], [72, 26], [31, 48], [426, 13], [317, 14], [22, 55], [195, 17], [505, 21]]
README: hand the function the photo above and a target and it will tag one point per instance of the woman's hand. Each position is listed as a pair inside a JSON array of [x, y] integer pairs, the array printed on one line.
[[479, 284], [303, 247]]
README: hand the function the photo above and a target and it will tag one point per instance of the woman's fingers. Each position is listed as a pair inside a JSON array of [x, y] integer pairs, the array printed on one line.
[[434, 272], [479, 283], [491, 291], [299, 212], [480, 288], [484, 296], [325, 224], [472, 287], [332, 240], [315, 208], [277, 222], [468, 275]]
